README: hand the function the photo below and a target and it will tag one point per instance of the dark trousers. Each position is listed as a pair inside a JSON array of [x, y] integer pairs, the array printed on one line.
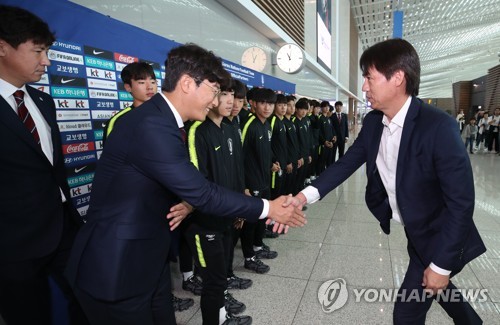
[[314, 162], [301, 177], [277, 184], [152, 308], [469, 142], [24, 286], [290, 181], [211, 257], [326, 158], [185, 255], [252, 233], [340, 146], [493, 139], [408, 310]]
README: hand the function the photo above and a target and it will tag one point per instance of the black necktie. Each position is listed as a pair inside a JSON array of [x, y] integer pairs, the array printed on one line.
[[25, 116]]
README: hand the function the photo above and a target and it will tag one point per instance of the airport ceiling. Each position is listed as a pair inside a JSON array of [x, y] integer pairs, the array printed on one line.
[[456, 40]]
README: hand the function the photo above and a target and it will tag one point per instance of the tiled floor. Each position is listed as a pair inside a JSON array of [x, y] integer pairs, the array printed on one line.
[[343, 240]]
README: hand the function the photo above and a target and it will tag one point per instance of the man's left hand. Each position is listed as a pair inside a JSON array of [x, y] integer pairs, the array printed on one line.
[[178, 213], [434, 282]]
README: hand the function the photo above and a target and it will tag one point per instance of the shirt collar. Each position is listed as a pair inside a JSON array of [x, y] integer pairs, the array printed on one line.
[[399, 118], [178, 117], [7, 89]]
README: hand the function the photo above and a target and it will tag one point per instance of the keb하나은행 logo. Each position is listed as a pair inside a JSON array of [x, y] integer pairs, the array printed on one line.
[[332, 295]]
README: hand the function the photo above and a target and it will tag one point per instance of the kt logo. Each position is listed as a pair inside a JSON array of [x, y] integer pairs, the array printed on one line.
[[332, 295]]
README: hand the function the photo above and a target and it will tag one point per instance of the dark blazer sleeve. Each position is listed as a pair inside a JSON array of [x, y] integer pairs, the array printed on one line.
[[171, 167]]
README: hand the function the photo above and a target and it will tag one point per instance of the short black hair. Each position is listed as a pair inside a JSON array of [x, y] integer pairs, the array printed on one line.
[[325, 104], [196, 62], [250, 93], [302, 103], [390, 56], [290, 97], [137, 71], [18, 26], [240, 89], [229, 86], [338, 103], [281, 99], [264, 95]]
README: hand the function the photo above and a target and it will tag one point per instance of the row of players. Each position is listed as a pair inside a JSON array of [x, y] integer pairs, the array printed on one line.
[[273, 148]]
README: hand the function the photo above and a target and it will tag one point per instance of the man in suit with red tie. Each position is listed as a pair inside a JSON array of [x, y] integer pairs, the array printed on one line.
[[119, 263], [37, 222], [341, 129], [419, 174]]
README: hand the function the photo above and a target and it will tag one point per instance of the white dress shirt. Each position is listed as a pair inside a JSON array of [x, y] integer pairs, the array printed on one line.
[[387, 160], [180, 124]]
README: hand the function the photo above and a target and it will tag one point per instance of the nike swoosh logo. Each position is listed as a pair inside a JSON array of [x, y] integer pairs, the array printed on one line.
[[97, 52], [260, 137], [64, 81], [103, 125], [217, 148], [77, 170]]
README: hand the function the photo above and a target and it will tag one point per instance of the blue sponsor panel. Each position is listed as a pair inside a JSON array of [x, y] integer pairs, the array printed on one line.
[[79, 159], [57, 80], [99, 63], [79, 136], [104, 104], [81, 200], [100, 53], [123, 95], [81, 170], [80, 179], [65, 46], [66, 69], [98, 134], [69, 92]]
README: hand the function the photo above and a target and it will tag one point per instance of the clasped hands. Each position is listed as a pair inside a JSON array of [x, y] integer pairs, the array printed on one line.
[[286, 211]]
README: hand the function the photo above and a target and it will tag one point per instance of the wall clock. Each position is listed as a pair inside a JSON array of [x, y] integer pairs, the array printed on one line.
[[290, 58], [254, 58]]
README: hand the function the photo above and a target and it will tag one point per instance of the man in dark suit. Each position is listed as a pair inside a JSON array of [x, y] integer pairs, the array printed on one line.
[[37, 223], [119, 262], [341, 129], [419, 174]]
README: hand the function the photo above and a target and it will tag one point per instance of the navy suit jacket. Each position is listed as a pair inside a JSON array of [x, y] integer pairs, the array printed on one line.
[[144, 169], [434, 184], [31, 222], [341, 129]]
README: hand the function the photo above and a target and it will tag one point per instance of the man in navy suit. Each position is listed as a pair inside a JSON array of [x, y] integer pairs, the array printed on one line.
[[119, 263], [37, 223], [341, 129], [419, 174]]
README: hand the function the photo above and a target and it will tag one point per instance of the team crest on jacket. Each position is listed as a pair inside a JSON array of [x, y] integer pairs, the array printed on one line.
[[230, 146]]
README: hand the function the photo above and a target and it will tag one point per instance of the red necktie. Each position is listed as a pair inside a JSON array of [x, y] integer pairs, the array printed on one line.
[[25, 115], [183, 134]]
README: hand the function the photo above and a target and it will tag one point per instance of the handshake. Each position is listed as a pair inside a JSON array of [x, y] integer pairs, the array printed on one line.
[[286, 211]]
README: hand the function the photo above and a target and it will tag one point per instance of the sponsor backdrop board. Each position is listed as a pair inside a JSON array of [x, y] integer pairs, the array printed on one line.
[[84, 79]]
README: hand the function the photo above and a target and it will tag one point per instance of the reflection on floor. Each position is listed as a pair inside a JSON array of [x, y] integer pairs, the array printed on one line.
[[343, 240]]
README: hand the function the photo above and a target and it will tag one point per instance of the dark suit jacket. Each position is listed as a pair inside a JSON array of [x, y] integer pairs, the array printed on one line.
[[341, 129], [31, 217], [434, 184], [144, 169]]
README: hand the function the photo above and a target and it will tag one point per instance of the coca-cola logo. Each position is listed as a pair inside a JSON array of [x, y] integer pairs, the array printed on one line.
[[78, 147], [125, 58]]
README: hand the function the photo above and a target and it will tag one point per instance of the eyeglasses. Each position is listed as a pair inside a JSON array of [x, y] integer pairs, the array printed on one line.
[[216, 90]]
